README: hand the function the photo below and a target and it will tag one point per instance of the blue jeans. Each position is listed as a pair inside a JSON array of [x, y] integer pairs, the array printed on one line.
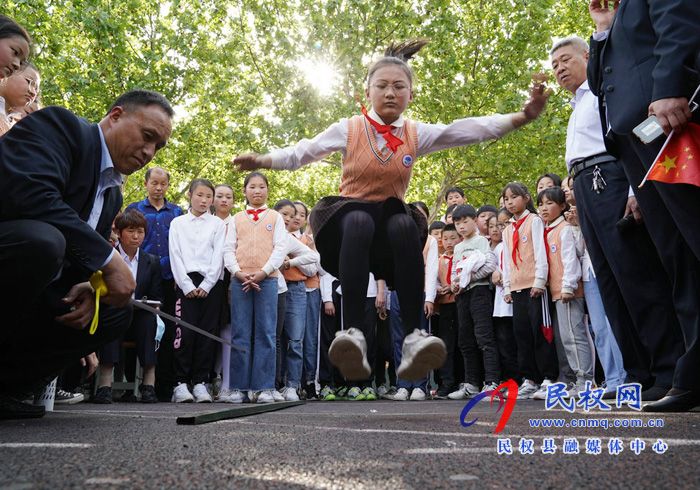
[[294, 325], [397, 336], [608, 351], [253, 314], [313, 310]]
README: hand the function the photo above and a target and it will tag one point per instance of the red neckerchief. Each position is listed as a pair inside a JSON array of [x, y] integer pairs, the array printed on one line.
[[547, 229], [516, 238], [255, 212], [384, 129], [449, 268]]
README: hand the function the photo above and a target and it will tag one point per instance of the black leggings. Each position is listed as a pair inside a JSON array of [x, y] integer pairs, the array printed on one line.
[[358, 233]]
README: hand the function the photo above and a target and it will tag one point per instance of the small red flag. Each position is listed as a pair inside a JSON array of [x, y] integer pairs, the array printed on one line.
[[679, 160]]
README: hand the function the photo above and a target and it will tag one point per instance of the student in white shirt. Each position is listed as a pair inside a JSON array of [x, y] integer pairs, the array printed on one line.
[[196, 250]]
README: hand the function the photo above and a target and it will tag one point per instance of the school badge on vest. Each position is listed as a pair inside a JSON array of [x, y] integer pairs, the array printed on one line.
[[407, 161], [524, 238], [553, 248], [269, 227]]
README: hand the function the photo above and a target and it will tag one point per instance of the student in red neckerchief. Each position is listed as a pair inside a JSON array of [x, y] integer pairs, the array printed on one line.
[[525, 272], [369, 226]]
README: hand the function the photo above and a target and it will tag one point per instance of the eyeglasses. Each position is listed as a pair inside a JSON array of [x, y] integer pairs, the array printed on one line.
[[398, 87]]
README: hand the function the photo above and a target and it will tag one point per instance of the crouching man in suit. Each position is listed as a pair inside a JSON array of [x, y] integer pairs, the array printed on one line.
[[59, 193]]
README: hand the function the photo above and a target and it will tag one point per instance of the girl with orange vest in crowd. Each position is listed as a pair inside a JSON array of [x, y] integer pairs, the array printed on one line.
[[254, 250], [566, 287], [369, 226], [525, 272], [304, 232]]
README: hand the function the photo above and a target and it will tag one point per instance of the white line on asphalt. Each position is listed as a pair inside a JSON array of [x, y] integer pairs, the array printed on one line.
[[448, 450], [56, 445], [296, 427]]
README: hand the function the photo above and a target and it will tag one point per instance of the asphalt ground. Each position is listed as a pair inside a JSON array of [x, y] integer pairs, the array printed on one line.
[[379, 444]]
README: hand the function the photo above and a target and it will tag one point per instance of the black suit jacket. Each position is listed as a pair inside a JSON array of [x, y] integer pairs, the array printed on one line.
[[651, 53], [149, 280], [49, 170]]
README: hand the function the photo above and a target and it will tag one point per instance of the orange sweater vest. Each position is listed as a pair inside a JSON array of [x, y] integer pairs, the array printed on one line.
[[522, 276], [374, 175], [556, 265], [254, 240]]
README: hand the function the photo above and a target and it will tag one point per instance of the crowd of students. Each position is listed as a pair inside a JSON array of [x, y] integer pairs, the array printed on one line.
[[504, 291]]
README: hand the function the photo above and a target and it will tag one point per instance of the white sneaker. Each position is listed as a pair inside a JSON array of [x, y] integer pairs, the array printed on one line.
[[265, 396], [541, 394], [420, 354], [348, 352], [489, 387], [466, 390], [401, 395], [289, 394], [181, 394], [278, 397], [526, 390], [201, 394], [417, 395], [231, 396]]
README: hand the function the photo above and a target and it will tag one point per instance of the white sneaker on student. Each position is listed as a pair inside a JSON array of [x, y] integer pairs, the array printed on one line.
[[277, 396], [466, 390], [181, 394], [232, 396], [417, 395], [541, 394], [201, 394], [348, 352], [401, 395], [420, 354], [265, 396], [526, 390], [489, 387], [289, 394]]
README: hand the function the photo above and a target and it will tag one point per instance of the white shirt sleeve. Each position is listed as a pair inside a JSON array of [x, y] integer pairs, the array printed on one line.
[[569, 258], [505, 266], [230, 260], [333, 139], [326, 287], [216, 265], [541, 265], [279, 242], [303, 257], [431, 271], [177, 262], [462, 132]]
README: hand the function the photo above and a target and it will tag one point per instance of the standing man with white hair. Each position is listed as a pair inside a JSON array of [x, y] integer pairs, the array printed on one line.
[[637, 299]]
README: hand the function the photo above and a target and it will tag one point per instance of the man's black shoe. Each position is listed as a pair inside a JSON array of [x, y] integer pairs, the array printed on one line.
[[13, 409], [676, 400], [654, 393], [103, 396], [148, 394]]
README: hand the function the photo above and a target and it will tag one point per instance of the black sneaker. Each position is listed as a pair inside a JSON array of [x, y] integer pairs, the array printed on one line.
[[310, 390], [148, 394], [64, 397], [441, 393], [103, 396]]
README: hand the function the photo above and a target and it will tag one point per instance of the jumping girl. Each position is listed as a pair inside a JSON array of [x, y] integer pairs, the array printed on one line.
[[369, 227]]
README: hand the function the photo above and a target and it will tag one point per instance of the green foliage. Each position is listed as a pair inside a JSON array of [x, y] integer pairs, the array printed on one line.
[[234, 71]]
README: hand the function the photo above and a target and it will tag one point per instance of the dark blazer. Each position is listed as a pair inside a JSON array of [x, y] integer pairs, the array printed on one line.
[[149, 281], [651, 53], [49, 170]]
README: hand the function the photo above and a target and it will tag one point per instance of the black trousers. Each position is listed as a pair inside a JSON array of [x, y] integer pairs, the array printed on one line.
[[448, 332], [165, 369], [475, 314], [195, 353], [634, 286], [537, 358], [384, 355], [670, 213], [34, 348], [507, 348], [329, 375]]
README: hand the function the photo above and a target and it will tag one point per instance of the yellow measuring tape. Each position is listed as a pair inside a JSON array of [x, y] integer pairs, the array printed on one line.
[[98, 284]]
